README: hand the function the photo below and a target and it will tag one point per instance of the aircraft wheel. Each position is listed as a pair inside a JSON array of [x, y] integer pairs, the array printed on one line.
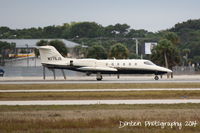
[[88, 73], [156, 77], [99, 77]]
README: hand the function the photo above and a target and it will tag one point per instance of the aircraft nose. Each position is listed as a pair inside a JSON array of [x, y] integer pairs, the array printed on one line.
[[167, 70], [163, 69]]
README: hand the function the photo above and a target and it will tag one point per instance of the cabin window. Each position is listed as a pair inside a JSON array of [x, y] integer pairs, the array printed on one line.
[[135, 64], [118, 64], [112, 64], [106, 64], [148, 63], [129, 64], [124, 64]]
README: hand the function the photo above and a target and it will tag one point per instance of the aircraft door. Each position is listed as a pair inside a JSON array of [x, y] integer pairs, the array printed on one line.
[[71, 63]]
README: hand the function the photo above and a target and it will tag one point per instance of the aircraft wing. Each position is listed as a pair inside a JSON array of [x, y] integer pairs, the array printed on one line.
[[98, 69]]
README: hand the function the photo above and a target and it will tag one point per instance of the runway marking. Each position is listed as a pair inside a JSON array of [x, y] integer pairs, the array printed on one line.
[[90, 102], [102, 90]]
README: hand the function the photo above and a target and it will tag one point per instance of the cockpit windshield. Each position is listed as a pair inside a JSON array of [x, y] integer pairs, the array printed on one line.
[[149, 63]]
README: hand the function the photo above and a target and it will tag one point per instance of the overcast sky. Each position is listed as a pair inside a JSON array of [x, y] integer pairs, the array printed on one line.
[[152, 15]]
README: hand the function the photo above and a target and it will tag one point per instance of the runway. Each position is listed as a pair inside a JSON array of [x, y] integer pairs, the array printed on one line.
[[95, 82], [101, 90], [106, 79], [92, 102]]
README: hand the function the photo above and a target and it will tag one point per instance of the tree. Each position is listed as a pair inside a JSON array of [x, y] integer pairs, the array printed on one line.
[[186, 52], [122, 29], [185, 56], [118, 30], [66, 30], [52, 31], [6, 45], [165, 54], [109, 31], [6, 49], [118, 51], [60, 46], [85, 29], [97, 52], [172, 37], [197, 60], [42, 43], [137, 33]]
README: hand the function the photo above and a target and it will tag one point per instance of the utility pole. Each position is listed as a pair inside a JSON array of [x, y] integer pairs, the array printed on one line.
[[44, 74], [27, 55], [35, 56], [136, 46]]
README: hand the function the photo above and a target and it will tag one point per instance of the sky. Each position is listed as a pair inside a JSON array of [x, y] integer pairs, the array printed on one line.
[[151, 15]]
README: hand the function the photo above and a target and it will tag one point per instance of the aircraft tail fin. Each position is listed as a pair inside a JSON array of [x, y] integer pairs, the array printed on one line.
[[49, 54]]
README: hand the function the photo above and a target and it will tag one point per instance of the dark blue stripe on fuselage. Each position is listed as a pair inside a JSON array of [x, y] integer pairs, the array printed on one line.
[[120, 71]]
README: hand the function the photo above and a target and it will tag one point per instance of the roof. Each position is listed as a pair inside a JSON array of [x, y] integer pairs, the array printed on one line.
[[20, 43]]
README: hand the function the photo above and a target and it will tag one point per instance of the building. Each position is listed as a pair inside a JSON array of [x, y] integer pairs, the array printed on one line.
[[22, 43], [25, 47]]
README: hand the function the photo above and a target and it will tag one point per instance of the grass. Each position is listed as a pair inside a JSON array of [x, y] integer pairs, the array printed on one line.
[[5, 108], [95, 118], [100, 95], [99, 86]]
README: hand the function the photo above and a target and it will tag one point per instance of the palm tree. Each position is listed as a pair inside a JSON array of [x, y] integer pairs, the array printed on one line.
[[171, 36], [162, 49], [118, 51], [165, 54], [186, 53]]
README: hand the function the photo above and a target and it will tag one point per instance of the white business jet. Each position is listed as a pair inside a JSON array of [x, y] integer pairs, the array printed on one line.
[[52, 59]]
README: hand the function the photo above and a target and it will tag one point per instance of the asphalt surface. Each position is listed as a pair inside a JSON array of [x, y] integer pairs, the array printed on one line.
[[94, 81], [92, 102], [106, 79]]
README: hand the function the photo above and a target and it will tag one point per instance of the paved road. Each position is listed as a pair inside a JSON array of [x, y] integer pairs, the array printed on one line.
[[90, 102], [102, 90]]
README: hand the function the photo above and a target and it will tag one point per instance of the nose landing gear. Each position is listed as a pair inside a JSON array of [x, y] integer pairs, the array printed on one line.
[[99, 77], [156, 77]]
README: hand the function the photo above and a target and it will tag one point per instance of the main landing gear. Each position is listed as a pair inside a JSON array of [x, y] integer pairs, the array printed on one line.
[[156, 77], [99, 77]]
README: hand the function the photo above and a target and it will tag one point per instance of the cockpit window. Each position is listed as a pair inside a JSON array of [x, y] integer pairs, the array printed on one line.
[[148, 63]]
